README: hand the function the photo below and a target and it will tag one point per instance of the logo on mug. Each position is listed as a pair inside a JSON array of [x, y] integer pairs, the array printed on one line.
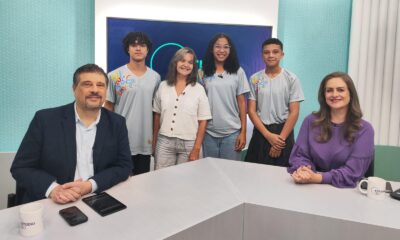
[[25, 225]]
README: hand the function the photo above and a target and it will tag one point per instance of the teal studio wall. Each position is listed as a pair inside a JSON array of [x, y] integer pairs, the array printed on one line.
[[316, 36], [42, 42]]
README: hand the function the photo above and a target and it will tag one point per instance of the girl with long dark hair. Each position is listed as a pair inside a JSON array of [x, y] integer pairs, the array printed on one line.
[[226, 85]]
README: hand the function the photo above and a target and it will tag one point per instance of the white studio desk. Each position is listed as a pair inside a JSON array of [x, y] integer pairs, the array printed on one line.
[[223, 199]]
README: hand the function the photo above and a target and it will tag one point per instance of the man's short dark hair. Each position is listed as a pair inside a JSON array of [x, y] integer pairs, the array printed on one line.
[[88, 68], [136, 38], [272, 41]]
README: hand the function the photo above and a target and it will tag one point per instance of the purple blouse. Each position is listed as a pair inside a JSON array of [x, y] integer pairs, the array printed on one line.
[[341, 164]]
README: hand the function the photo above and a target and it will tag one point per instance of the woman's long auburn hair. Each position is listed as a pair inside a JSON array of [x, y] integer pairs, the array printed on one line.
[[323, 117]]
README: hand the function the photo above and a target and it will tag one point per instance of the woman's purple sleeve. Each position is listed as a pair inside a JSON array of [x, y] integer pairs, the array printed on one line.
[[300, 155], [357, 163]]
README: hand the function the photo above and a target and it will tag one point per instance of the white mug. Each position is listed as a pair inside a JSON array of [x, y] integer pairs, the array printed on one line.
[[31, 216], [376, 187]]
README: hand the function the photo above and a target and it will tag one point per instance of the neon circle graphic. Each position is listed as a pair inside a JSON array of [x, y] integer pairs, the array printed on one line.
[[159, 48]]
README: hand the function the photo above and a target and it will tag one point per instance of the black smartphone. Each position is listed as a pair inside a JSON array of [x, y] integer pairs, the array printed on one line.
[[396, 194], [73, 215]]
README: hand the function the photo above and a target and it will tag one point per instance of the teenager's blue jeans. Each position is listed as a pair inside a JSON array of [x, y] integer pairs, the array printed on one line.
[[221, 147]]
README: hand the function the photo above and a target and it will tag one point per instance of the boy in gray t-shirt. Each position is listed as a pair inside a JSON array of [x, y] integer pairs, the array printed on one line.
[[130, 93], [273, 107]]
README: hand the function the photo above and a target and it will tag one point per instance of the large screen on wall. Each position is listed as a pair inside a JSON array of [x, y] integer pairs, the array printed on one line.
[[168, 37]]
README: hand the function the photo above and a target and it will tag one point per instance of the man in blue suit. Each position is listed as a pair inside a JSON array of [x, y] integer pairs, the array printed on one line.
[[76, 149]]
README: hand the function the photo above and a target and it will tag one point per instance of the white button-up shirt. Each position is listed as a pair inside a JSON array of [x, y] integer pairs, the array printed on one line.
[[85, 137], [180, 114]]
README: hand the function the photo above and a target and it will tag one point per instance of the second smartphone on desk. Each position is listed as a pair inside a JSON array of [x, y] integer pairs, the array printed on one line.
[[73, 215]]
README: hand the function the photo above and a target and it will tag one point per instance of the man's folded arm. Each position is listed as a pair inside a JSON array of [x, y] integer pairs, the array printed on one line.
[[26, 168]]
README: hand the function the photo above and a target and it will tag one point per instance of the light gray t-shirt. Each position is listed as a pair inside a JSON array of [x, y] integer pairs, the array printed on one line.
[[274, 95], [222, 90], [132, 97]]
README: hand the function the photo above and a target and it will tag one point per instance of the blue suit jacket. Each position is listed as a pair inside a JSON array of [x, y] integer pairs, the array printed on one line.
[[48, 152]]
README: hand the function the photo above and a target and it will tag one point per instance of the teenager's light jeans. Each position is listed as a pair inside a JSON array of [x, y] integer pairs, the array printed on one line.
[[221, 147]]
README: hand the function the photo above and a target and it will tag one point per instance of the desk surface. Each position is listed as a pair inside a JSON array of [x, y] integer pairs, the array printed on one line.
[[168, 201]]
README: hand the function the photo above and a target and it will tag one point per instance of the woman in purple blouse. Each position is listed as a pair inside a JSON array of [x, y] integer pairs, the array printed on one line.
[[335, 146]]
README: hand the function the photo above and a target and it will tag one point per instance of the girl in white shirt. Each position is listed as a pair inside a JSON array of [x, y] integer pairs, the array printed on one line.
[[181, 111]]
